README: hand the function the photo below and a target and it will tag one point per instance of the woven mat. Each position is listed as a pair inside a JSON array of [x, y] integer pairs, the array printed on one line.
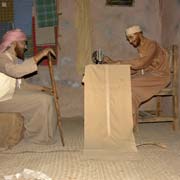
[[68, 163], [73, 140]]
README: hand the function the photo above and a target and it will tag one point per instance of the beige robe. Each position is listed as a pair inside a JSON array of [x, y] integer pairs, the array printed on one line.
[[38, 109], [151, 73]]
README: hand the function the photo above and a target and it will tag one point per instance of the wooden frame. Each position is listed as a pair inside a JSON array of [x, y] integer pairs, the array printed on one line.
[[37, 48], [120, 2]]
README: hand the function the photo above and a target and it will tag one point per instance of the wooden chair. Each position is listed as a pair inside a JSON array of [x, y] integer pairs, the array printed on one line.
[[171, 90]]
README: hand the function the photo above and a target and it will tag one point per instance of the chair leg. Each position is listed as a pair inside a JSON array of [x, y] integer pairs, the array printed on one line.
[[175, 112]]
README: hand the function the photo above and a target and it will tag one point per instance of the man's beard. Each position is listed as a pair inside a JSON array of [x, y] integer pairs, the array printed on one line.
[[137, 43], [19, 52]]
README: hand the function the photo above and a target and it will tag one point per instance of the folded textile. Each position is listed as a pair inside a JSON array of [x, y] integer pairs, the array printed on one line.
[[46, 13]]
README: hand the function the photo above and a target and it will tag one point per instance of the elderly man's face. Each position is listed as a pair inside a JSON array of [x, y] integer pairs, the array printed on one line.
[[134, 39], [20, 48]]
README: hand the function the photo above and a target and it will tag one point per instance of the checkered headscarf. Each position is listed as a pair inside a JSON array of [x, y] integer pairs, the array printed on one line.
[[11, 36]]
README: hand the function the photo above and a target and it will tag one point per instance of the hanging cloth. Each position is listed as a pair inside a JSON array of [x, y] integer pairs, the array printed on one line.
[[83, 35], [46, 13]]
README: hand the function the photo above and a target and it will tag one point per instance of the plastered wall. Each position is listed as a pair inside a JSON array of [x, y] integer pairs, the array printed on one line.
[[158, 19]]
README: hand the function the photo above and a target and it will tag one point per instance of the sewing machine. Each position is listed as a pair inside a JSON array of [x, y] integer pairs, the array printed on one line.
[[97, 56]]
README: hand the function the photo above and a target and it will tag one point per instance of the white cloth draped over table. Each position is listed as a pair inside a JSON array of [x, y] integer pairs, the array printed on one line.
[[108, 110]]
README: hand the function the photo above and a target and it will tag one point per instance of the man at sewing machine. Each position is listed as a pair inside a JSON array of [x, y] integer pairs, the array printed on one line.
[[150, 71], [36, 106]]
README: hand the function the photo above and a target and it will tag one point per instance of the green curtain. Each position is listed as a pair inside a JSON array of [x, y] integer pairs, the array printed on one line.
[[46, 13]]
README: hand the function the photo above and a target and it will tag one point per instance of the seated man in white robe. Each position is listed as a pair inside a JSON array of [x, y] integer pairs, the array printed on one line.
[[36, 107]]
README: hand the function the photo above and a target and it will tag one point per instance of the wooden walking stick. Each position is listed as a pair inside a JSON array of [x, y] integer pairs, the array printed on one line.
[[54, 91]]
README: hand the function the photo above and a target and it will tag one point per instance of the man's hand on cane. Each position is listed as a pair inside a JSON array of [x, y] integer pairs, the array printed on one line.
[[43, 53], [107, 60]]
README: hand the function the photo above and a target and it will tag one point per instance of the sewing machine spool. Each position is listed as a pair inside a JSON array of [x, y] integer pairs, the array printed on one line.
[[97, 56]]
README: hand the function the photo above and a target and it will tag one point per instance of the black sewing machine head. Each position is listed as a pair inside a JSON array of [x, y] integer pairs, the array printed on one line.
[[97, 56]]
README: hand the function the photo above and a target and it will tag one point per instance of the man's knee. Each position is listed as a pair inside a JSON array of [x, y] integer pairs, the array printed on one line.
[[47, 98]]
